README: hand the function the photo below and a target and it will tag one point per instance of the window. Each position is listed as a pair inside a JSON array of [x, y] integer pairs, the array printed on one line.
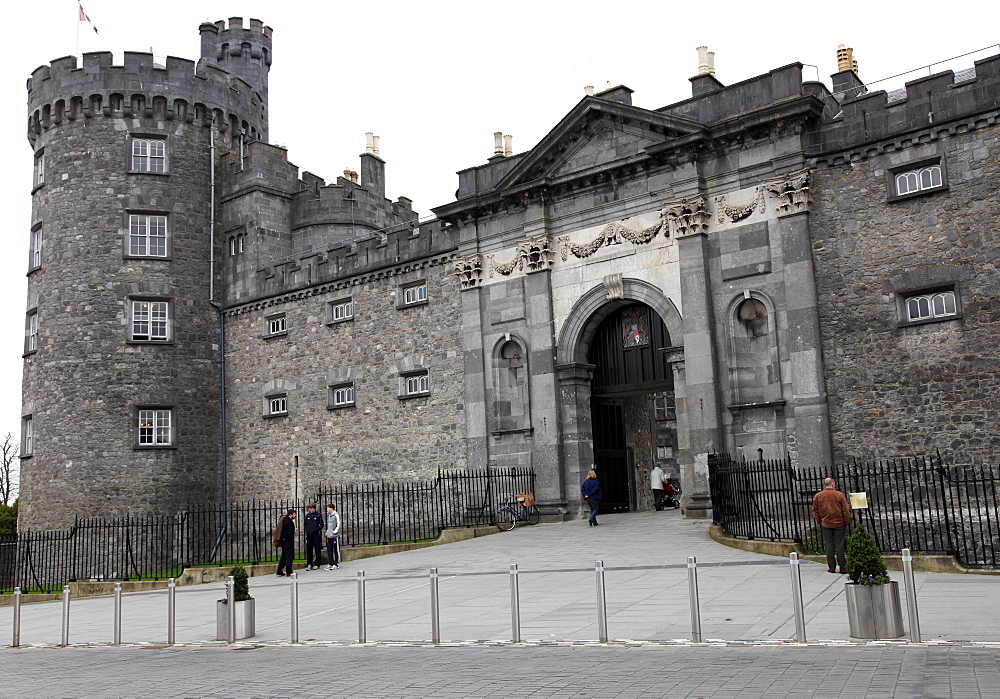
[[149, 155], [917, 178], [38, 173], [342, 396], [415, 294], [276, 404], [341, 310], [942, 304], [27, 436], [31, 332], [147, 235], [35, 249], [665, 407], [276, 325], [236, 244], [155, 427], [150, 321], [415, 384]]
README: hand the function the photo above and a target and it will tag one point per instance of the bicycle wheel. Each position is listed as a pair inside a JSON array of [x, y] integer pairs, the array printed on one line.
[[533, 515], [505, 519]]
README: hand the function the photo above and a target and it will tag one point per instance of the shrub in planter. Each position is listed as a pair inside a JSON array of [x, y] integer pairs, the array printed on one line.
[[864, 560], [244, 608]]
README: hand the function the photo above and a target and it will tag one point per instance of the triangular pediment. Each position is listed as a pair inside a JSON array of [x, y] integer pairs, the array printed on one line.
[[596, 135]]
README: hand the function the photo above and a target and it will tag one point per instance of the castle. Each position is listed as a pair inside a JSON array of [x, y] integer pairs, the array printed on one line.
[[765, 268]]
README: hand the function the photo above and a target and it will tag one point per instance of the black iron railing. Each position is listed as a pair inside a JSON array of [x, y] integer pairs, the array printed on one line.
[[157, 547], [916, 502]]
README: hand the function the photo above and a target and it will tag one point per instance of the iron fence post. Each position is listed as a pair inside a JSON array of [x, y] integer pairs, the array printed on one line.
[[602, 609], [118, 614], [800, 615], [911, 596], [16, 641], [231, 607], [435, 608], [65, 616], [295, 607], [362, 622], [172, 610], [515, 606], [692, 564]]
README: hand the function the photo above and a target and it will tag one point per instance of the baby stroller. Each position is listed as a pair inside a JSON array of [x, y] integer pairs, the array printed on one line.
[[671, 494]]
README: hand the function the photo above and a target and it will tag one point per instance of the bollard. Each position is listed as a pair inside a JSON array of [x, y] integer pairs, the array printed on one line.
[[295, 607], [435, 608], [800, 612], [602, 609], [172, 610], [515, 606], [118, 615], [362, 623], [693, 597], [65, 617], [911, 596], [231, 606], [16, 641]]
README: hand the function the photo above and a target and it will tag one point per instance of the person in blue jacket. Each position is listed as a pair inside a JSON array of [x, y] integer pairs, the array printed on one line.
[[591, 490]]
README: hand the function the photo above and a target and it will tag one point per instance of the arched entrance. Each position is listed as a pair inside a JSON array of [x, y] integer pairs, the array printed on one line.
[[632, 405]]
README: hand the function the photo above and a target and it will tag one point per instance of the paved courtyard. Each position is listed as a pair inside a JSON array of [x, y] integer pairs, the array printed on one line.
[[746, 616]]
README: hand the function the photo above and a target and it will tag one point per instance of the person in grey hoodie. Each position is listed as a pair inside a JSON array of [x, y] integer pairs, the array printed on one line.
[[332, 535]]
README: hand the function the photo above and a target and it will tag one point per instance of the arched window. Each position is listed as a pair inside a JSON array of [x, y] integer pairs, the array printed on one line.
[[918, 180]]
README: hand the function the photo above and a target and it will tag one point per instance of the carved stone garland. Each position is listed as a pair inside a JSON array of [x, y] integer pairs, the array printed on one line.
[[792, 192], [738, 213]]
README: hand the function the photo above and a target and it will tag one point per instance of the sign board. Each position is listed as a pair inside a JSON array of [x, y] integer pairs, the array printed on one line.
[[859, 501]]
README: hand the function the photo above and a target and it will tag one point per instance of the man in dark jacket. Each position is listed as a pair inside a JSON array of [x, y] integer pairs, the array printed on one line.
[[284, 537], [314, 537], [832, 513]]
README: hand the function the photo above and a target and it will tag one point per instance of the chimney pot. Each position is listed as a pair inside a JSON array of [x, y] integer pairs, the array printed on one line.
[[589, 90], [702, 60], [498, 143], [375, 146], [711, 62], [368, 142], [508, 145]]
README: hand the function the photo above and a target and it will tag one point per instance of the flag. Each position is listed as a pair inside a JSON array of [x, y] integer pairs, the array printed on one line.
[[85, 18]]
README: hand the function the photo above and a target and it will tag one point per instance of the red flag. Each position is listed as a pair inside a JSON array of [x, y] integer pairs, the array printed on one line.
[[85, 18]]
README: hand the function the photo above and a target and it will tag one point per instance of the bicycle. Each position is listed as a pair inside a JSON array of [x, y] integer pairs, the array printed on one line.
[[515, 510]]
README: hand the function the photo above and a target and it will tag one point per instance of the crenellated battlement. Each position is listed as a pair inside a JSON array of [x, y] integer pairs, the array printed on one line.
[[229, 94], [932, 103]]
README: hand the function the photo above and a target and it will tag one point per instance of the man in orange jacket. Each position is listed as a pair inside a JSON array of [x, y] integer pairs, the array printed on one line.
[[832, 513]]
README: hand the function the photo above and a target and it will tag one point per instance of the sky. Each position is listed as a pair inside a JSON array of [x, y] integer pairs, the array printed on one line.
[[434, 79]]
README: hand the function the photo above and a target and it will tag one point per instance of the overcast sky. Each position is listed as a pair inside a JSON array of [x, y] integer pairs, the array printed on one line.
[[435, 78]]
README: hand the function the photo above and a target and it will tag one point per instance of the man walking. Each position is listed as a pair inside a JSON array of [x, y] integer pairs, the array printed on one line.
[[314, 534], [332, 535], [832, 513], [284, 536]]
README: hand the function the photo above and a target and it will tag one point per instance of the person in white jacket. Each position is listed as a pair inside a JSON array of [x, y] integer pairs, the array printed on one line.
[[332, 534], [656, 484]]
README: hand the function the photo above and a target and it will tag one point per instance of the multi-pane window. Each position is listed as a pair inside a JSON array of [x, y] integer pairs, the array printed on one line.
[[341, 396], [342, 310], [27, 436], [38, 173], [918, 180], [416, 384], [150, 320], [147, 235], [277, 325], [35, 251], [414, 294], [277, 405], [927, 306], [155, 428], [236, 244], [149, 155], [31, 332]]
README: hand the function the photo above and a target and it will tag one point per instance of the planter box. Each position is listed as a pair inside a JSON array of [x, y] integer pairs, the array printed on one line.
[[873, 611], [245, 624]]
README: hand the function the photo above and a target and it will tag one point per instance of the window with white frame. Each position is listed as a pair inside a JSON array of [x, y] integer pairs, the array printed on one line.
[[31, 332], [276, 404], [35, 249], [276, 325], [931, 306], [27, 436], [414, 294], [415, 384], [341, 310], [342, 395], [147, 235], [38, 172], [150, 320], [155, 427], [914, 180], [149, 155]]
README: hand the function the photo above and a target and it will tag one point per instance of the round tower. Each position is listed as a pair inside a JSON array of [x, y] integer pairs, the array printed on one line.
[[121, 395]]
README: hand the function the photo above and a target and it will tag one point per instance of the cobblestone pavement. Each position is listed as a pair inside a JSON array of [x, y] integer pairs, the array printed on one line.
[[495, 671]]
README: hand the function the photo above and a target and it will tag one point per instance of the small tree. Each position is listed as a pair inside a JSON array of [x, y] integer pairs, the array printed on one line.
[[864, 560], [8, 470]]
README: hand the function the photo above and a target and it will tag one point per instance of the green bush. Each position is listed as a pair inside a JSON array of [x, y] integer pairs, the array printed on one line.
[[8, 519], [241, 584], [864, 560]]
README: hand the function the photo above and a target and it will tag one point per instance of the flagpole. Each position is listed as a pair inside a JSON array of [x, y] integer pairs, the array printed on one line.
[[78, 11]]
